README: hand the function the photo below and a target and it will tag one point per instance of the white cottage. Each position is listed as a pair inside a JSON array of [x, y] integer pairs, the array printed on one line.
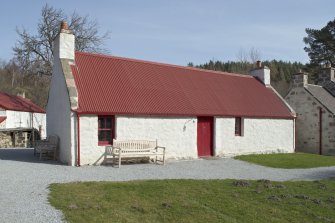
[[17, 116], [192, 112]]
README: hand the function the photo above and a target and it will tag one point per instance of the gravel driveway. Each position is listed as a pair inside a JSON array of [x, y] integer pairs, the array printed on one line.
[[24, 179]]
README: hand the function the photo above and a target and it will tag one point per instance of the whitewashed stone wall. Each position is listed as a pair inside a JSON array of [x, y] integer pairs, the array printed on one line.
[[259, 136], [18, 119], [178, 135], [59, 115], [90, 152], [3, 123]]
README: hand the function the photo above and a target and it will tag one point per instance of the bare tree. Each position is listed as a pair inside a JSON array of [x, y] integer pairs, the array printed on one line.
[[34, 53], [242, 56], [254, 55], [250, 56]]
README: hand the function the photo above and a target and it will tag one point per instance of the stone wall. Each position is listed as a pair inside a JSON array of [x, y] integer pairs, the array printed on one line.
[[13, 139], [5, 140]]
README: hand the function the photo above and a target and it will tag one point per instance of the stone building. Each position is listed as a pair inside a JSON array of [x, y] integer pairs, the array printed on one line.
[[192, 112], [315, 109]]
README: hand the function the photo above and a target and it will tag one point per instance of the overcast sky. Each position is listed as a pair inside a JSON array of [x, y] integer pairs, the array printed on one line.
[[182, 31]]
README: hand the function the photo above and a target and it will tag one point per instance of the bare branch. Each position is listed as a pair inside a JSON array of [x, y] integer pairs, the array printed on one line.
[[34, 53]]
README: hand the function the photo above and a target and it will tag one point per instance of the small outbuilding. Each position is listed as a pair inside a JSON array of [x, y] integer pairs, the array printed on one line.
[[20, 119], [315, 108], [94, 98]]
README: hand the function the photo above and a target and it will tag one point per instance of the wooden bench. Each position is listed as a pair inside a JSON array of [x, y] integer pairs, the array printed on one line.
[[134, 148], [47, 146]]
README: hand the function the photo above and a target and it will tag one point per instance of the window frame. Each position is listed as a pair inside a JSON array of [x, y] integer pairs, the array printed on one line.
[[238, 126], [111, 129]]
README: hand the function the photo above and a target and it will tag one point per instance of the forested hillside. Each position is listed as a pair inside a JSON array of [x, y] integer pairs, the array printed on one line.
[[281, 71], [14, 81]]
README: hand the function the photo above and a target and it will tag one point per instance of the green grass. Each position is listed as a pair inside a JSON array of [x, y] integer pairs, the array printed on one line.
[[196, 201], [289, 160]]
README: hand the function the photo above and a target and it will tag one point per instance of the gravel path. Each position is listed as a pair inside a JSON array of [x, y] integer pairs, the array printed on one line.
[[24, 179]]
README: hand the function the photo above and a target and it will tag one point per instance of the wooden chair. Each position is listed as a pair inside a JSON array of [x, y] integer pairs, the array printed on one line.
[[47, 146]]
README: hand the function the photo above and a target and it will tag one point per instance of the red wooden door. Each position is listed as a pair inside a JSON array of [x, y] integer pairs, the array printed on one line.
[[205, 136]]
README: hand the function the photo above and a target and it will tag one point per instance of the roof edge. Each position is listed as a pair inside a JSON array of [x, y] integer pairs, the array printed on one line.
[[283, 100], [183, 115]]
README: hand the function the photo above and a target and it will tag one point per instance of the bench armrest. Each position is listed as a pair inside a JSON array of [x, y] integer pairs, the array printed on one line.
[[160, 147], [110, 150], [116, 150]]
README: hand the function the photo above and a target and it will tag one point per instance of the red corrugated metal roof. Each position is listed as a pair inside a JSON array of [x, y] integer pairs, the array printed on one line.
[[17, 103], [108, 84], [2, 118]]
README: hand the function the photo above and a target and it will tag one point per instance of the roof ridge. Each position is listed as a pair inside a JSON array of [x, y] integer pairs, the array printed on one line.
[[163, 64]]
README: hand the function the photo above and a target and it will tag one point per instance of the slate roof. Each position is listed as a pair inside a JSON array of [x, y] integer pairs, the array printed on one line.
[[330, 87], [323, 96], [18, 103], [115, 85]]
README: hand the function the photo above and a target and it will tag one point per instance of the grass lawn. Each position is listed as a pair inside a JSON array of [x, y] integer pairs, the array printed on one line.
[[196, 201], [289, 160]]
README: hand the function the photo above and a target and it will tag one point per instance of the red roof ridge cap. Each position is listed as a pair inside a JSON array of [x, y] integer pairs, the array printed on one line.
[[163, 64]]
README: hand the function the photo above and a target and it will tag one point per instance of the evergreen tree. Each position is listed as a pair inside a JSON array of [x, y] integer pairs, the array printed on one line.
[[321, 44]]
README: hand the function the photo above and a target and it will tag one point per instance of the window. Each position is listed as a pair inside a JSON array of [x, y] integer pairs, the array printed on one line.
[[238, 126], [105, 130]]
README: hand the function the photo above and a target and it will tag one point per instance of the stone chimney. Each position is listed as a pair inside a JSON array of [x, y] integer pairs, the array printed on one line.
[[261, 72], [299, 80], [64, 43], [23, 94], [326, 74]]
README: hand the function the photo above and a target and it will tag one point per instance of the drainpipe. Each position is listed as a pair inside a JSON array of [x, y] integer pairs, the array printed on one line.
[[32, 128], [295, 134], [78, 139], [320, 131]]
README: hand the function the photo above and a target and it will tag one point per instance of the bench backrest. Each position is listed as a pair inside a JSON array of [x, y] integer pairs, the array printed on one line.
[[135, 145], [53, 139]]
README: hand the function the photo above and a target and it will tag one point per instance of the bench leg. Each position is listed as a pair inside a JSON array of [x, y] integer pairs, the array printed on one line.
[[113, 160], [105, 160]]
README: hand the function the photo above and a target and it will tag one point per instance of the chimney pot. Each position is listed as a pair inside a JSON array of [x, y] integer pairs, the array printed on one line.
[[64, 26], [259, 64]]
